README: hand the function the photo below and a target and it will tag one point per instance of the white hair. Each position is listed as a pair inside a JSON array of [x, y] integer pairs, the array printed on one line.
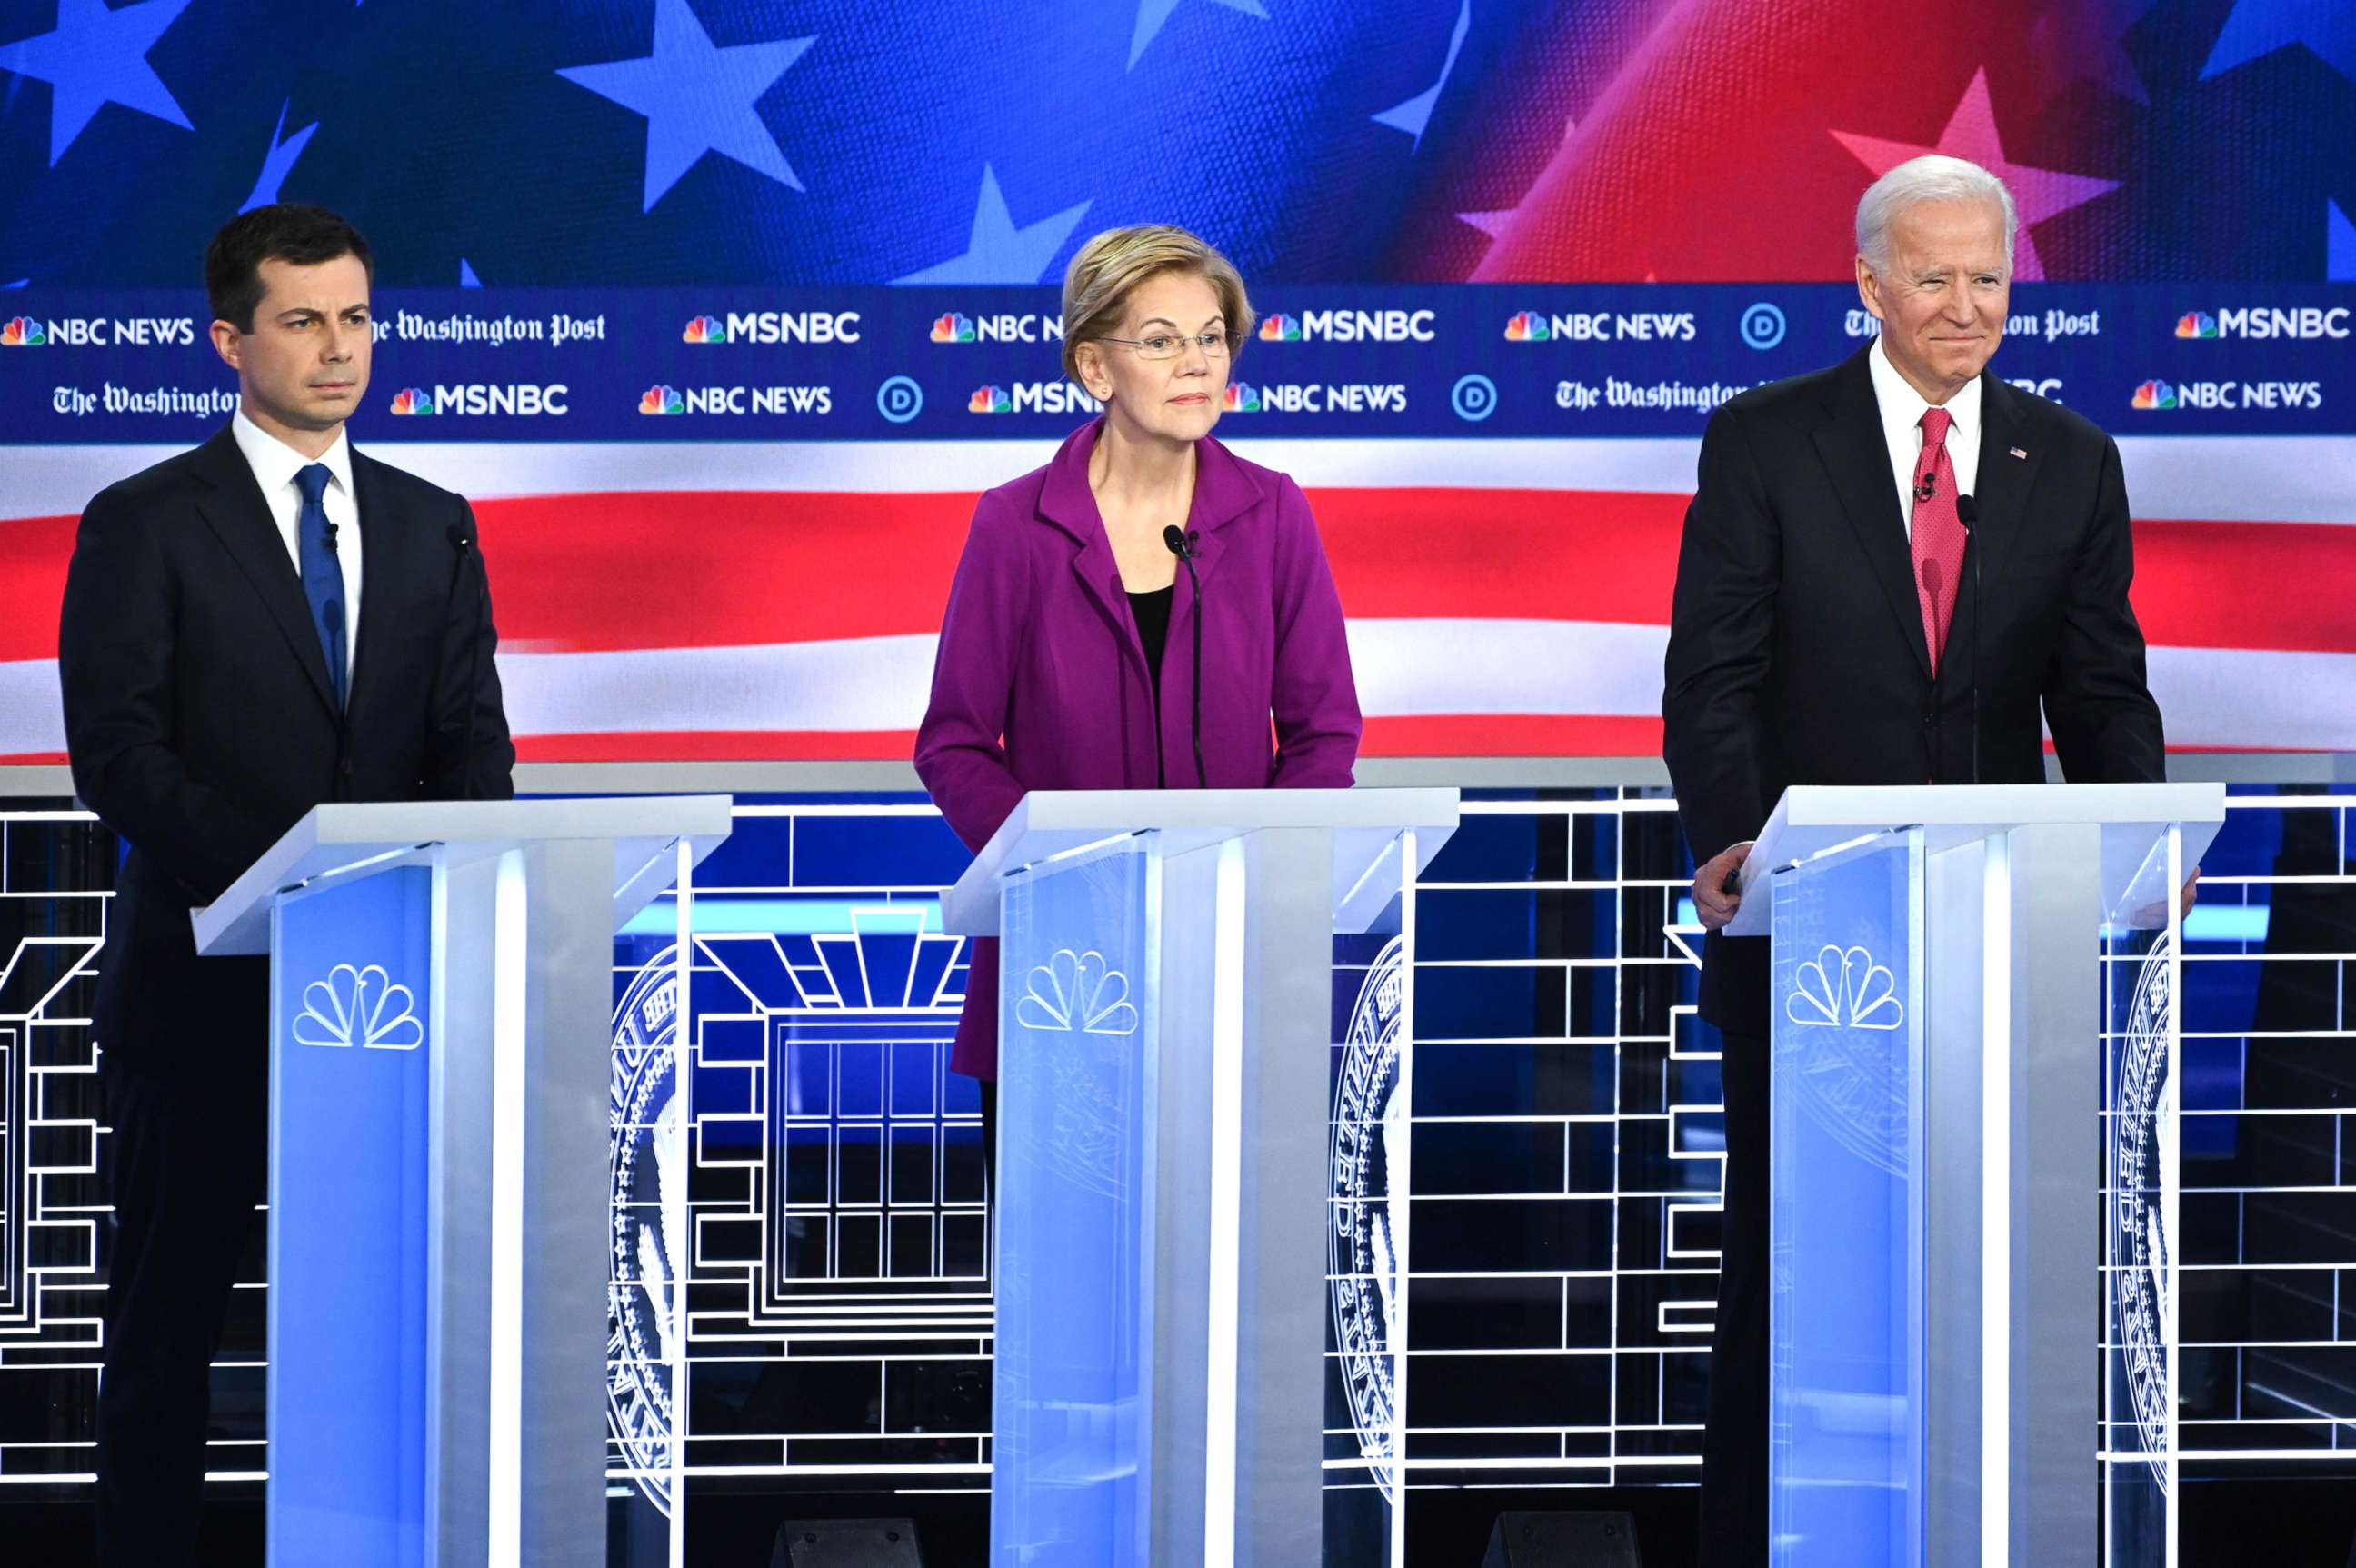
[[1931, 177]]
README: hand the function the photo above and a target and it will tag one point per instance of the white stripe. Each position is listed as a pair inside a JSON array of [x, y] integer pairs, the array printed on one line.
[[2288, 479], [1405, 668], [1408, 668]]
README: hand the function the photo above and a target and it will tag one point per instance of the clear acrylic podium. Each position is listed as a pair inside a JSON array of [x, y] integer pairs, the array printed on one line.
[[1165, 1041], [1974, 1178], [440, 1078]]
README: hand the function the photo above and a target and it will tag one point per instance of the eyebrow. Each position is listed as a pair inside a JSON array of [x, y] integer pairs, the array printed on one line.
[[1165, 321]]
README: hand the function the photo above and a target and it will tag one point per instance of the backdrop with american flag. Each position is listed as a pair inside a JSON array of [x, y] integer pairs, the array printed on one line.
[[765, 581]]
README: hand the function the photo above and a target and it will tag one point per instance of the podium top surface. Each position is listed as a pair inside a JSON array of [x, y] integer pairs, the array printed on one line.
[[1813, 818], [1049, 823], [347, 838]]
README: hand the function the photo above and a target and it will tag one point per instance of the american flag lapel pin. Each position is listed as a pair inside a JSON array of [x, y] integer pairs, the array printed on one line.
[[2018, 453]]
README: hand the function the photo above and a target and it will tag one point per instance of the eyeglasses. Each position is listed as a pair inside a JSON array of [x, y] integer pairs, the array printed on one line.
[[1170, 345]]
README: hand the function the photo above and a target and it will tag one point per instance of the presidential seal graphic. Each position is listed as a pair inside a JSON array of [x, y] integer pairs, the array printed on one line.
[[1361, 1251], [1851, 1009], [2142, 1167], [645, 1293]]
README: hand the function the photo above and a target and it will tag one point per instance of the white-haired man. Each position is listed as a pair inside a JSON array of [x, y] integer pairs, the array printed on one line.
[[1823, 632]]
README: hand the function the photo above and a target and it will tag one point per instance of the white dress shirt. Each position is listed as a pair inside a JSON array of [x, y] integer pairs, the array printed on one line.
[[274, 465], [1901, 427]]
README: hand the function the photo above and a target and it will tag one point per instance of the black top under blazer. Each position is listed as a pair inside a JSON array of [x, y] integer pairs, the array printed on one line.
[[1796, 653], [201, 724]]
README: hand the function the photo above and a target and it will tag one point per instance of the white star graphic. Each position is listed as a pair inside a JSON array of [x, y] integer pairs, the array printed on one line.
[[1151, 14], [95, 57], [697, 98], [998, 250], [1970, 134]]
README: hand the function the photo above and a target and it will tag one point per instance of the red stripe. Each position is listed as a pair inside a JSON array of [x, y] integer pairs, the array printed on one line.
[[721, 746], [1498, 734], [665, 570], [2287, 586], [1513, 735]]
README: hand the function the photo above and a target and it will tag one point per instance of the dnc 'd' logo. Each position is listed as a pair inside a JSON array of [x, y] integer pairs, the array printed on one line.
[[1368, 1134], [646, 1268]]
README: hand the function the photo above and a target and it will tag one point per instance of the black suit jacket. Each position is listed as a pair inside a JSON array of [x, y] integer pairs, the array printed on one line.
[[201, 724], [1796, 653]]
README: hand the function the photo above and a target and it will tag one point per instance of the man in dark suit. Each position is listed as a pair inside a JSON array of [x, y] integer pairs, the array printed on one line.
[[250, 628], [1824, 633]]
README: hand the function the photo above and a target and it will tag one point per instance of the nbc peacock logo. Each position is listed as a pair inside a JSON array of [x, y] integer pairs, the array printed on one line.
[[1527, 327], [1280, 328], [2154, 394], [23, 332], [660, 400], [706, 330], [1241, 397], [951, 328], [412, 400], [990, 400], [2196, 323]]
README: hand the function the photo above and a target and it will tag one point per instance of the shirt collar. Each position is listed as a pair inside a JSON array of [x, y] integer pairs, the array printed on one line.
[[275, 463], [1903, 406]]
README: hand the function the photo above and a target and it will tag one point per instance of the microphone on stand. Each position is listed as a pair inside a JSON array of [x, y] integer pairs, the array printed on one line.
[[1967, 513], [461, 540], [1181, 545]]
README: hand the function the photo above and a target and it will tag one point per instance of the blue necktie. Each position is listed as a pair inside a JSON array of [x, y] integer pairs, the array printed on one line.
[[323, 574]]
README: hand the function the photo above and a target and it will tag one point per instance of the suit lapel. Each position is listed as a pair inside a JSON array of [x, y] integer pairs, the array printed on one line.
[[233, 508], [1857, 460], [2005, 480], [1066, 501], [376, 532]]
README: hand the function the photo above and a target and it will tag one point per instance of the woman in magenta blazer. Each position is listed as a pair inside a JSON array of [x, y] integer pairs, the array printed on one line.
[[1051, 672]]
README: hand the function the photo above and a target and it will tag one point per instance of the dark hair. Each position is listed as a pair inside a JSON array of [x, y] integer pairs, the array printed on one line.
[[284, 232]]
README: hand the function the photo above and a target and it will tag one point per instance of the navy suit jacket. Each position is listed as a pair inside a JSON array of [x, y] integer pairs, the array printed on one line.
[[1796, 653], [201, 726]]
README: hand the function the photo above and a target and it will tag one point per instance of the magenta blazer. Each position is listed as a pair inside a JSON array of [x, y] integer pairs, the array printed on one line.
[[1041, 682]]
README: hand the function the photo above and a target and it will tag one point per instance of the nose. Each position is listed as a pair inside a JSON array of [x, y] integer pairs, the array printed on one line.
[[339, 341]]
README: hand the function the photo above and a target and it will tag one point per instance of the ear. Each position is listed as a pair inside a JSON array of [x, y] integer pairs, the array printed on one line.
[[1090, 358], [229, 343], [1869, 288]]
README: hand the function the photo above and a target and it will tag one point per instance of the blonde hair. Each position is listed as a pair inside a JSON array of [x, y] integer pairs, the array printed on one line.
[[1109, 269]]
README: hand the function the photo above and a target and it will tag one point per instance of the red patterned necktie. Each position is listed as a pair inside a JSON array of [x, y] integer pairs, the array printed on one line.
[[1937, 534]]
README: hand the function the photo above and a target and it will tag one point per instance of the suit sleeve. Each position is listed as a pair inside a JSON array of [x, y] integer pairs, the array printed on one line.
[[1313, 697], [115, 645], [960, 749], [2107, 728], [1721, 634], [470, 639]]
